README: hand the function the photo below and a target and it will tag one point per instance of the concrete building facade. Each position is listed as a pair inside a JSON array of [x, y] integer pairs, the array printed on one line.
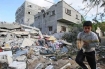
[[25, 13], [57, 18]]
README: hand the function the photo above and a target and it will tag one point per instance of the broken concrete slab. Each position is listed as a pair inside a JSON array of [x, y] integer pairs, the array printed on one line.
[[39, 66], [27, 42], [65, 66], [18, 65], [8, 56], [22, 58], [50, 67]]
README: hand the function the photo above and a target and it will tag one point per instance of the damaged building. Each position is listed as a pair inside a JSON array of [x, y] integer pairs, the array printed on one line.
[[58, 18]]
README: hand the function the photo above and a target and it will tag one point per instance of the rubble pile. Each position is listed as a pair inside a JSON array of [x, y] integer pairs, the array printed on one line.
[[26, 50]]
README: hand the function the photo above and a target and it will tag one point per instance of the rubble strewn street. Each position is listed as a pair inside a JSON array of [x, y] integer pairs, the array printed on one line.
[[23, 50]]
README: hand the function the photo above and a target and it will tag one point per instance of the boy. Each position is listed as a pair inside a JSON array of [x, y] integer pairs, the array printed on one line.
[[90, 41]]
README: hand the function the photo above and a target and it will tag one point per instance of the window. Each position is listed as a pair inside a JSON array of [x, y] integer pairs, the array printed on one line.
[[22, 7], [67, 11], [50, 28], [47, 13], [53, 12], [29, 12], [38, 17], [30, 6], [43, 11], [16, 13], [63, 28], [19, 9], [77, 17]]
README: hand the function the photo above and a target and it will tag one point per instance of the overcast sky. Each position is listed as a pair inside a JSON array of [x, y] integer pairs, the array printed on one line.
[[8, 8]]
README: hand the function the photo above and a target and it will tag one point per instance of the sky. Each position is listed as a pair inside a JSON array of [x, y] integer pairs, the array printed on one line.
[[9, 7]]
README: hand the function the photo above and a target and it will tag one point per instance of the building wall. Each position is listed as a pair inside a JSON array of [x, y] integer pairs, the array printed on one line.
[[58, 19], [27, 12], [59, 10], [59, 27], [49, 19], [72, 17], [31, 10], [19, 15], [43, 23]]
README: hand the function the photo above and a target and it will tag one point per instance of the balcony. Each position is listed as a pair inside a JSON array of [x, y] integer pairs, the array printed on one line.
[[65, 21]]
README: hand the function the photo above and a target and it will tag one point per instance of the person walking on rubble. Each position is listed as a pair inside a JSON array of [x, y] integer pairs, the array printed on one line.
[[86, 42]]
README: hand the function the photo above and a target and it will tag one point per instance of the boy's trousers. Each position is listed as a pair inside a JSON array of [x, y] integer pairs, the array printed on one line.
[[90, 56]]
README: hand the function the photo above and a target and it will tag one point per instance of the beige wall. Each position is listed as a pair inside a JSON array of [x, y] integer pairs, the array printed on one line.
[[71, 18], [59, 25]]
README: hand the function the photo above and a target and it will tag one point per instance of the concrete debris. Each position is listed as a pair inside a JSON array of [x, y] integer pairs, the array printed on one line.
[[21, 58], [18, 65], [26, 48], [6, 57], [39, 66], [21, 52], [27, 42], [64, 50], [3, 60], [50, 67], [66, 66]]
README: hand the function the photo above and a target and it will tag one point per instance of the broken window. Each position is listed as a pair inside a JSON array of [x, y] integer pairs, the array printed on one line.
[[47, 13], [76, 16], [53, 12], [19, 9], [30, 6], [67, 11], [16, 13], [50, 28], [29, 12]]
